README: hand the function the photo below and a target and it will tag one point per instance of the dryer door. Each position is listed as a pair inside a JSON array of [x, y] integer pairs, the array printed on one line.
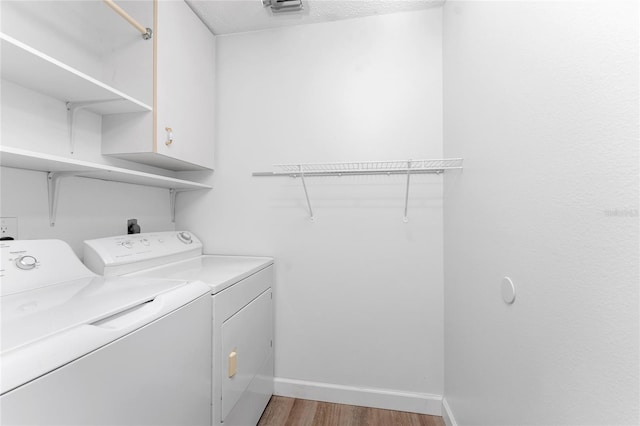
[[246, 343]]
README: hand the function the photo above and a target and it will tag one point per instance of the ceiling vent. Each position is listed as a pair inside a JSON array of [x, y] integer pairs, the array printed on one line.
[[280, 6]]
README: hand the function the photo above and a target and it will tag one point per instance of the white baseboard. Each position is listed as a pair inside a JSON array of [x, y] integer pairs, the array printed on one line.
[[422, 403], [447, 414]]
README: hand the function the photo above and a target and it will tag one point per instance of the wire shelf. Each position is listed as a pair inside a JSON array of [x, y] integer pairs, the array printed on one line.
[[405, 167], [365, 167]]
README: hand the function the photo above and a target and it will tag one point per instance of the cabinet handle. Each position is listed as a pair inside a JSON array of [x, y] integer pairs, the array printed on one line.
[[169, 140], [233, 363]]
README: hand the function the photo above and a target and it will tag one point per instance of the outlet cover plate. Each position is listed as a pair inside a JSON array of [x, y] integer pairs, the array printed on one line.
[[9, 227]]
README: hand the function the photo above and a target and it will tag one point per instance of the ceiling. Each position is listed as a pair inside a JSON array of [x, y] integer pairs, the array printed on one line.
[[237, 16]]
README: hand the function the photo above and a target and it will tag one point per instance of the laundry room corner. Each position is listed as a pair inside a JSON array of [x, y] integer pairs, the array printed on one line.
[[359, 294], [320, 212]]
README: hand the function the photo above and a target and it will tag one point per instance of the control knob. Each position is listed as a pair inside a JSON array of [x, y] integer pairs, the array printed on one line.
[[185, 237], [26, 262]]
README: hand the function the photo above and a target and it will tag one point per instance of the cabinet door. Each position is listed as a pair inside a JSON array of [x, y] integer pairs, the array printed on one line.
[[184, 85]]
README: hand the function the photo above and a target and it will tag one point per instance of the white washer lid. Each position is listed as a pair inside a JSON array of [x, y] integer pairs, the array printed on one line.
[[219, 272], [45, 328]]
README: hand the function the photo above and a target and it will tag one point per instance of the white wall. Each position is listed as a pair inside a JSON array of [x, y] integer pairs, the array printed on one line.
[[359, 293], [541, 100]]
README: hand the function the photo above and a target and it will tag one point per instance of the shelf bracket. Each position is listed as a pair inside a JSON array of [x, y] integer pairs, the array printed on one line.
[[52, 186], [72, 109], [306, 194], [172, 203], [405, 219]]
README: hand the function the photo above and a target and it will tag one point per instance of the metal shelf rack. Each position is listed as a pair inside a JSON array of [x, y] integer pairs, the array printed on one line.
[[394, 167]]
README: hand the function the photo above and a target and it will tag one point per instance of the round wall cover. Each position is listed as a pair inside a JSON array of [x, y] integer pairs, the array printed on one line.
[[508, 291]]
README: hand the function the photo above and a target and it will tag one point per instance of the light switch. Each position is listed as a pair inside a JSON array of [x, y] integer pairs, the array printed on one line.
[[233, 363]]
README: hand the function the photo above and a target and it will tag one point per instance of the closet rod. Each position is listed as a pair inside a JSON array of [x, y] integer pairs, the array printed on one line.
[[146, 32]]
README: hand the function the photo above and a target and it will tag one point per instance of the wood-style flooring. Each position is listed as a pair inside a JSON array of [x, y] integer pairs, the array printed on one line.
[[283, 411]]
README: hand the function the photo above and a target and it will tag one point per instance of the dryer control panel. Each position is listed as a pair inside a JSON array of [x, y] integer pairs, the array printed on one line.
[[130, 253]]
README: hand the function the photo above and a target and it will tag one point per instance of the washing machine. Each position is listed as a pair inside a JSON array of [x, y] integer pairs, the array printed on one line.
[[241, 290], [78, 349]]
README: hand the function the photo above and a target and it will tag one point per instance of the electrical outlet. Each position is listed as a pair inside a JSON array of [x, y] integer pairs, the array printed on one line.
[[9, 227]]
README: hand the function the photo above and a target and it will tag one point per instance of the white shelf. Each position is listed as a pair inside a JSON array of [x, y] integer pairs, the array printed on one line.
[[35, 70], [365, 168], [60, 167], [393, 167], [21, 159]]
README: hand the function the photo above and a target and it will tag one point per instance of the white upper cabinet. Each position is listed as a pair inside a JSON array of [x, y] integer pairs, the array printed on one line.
[[178, 135], [155, 96], [184, 91]]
